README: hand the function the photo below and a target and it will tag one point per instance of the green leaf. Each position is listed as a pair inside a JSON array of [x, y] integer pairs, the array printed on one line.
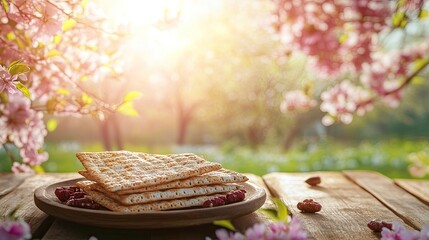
[[424, 13], [132, 95], [420, 63], [3, 98], [271, 213], [282, 213], [22, 88], [52, 124], [10, 36], [38, 169], [418, 80], [5, 5], [84, 3], [84, 78], [21, 45], [57, 39], [68, 24], [86, 99], [127, 108], [63, 91], [343, 38], [224, 223], [398, 18], [53, 53], [18, 68]]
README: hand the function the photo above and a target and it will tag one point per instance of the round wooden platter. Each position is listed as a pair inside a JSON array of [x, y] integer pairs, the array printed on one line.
[[45, 200]]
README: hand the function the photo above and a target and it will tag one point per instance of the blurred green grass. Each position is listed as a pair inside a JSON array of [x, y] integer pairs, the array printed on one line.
[[387, 157]]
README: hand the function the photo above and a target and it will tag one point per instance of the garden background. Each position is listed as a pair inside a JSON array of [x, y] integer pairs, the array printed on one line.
[[211, 77]]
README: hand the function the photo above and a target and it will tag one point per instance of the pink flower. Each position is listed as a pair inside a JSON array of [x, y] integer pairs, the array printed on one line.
[[7, 81], [223, 234], [296, 100], [399, 232], [256, 232], [341, 101], [18, 112], [47, 24], [21, 168], [25, 128], [274, 231], [14, 230]]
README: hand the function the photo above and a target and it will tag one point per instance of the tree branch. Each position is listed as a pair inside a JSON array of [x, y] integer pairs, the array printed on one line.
[[403, 85]]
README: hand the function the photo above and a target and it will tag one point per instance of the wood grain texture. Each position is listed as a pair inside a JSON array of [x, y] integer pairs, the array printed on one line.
[[260, 182], [241, 223], [22, 198], [9, 181], [65, 230], [346, 208], [418, 188], [406, 206]]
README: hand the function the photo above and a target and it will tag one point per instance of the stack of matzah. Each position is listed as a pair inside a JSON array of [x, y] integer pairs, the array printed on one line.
[[125, 181]]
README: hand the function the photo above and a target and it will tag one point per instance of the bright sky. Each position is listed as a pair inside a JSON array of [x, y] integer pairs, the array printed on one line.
[[159, 29]]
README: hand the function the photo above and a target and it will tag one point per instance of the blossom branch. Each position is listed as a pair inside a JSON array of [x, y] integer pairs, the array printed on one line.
[[402, 86]]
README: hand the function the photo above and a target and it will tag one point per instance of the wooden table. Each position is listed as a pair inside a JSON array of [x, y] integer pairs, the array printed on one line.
[[350, 199]]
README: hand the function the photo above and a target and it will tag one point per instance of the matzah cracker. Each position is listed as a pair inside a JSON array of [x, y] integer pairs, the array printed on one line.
[[111, 204], [123, 170], [215, 177], [169, 194]]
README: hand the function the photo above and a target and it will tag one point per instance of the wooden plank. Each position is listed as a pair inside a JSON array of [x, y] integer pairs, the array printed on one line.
[[22, 198], [241, 223], [405, 205], [66, 230], [260, 182], [9, 181], [418, 188], [346, 208], [61, 229]]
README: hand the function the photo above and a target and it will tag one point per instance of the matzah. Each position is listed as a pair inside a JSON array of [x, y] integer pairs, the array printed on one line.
[[146, 197], [123, 170], [111, 204], [215, 177]]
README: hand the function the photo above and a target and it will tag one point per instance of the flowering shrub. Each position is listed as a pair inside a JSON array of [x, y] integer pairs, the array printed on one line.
[[54, 56], [343, 37]]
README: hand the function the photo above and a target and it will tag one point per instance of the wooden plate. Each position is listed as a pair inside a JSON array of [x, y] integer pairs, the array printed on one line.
[[45, 200]]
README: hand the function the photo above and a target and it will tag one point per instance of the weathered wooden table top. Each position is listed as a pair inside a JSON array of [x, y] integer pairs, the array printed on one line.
[[350, 199]]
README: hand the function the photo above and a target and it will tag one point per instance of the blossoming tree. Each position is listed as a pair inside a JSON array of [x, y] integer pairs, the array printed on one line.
[[344, 37], [350, 42], [53, 55]]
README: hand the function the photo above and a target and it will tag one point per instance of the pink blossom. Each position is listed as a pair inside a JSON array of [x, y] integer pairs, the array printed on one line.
[[47, 23], [399, 232], [7, 81], [223, 234], [334, 34], [14, 230], [274, 231], [25, 128], [341, 101], [21, 168], [296, 100]]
